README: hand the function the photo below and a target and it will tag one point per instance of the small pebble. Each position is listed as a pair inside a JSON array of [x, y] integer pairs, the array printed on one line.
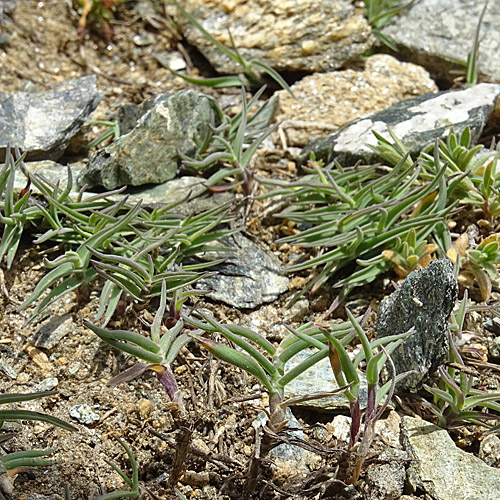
[[84, 414], [47, 384]]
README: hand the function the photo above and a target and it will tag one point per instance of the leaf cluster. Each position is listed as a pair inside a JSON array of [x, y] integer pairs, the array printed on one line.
[[133, 248], [232, 144], [356, 214]]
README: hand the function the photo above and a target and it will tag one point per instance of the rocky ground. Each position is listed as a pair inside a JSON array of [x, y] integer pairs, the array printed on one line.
[[41, 47]]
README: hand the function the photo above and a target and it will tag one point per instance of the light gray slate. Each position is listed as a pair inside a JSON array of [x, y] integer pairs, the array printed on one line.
[[249, 276], [417, 122], [444, 471], [424, 301], [42, 123], [310, 35], [434, 33]]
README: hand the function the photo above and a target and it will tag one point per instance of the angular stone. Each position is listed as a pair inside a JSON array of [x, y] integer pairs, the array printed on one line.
[[84, 414], [248, 277], [326, 101], [444, 471], [53, 331], [417, 122], [309, 35], [150, 152], [424, 301], [446, 31], [42, 123], [385, 482]]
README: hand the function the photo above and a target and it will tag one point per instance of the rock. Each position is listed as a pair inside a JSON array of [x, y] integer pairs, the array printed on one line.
[[319, 378], [417, 122], [309, 35], [446, 31], [424, 301], [248, 277], [53, 331], [336, 98], [84, 414], [489, 450], [385, 481], [8, 369], [441, 469], [494, 348], [289, 460], [47, 384], [150, 152], [42, 123]]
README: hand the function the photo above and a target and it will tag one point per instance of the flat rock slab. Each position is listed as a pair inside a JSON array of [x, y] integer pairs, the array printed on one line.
[[424, 301], [310, 35], [149, 153], [326, 101], [446, 31], [444, 471], [42, 123], [417, 122], [248, 277]]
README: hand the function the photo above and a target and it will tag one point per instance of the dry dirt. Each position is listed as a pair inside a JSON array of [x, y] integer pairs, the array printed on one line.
[[221, 401]]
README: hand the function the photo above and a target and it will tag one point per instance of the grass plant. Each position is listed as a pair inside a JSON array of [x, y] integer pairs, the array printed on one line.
[[132, 482], [230, 147], [455, 402], [380, 13]]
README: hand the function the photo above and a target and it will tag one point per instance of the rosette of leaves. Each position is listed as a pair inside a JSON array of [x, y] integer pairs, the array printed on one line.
[[267, 363], [134, 248], [230, 146], [479, 264], [11, 464], [374, 355], [479, 188], [352, 215], [455, 402]]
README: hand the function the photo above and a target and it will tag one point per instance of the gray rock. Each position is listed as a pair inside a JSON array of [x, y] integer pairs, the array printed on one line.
[[441, 469], [53, 331], [47, 384], [489, 450], [84, 414], [385, 481], [446, 31], [319, 378], [248, 277], [43, 123], [309, 35], [7, 369], [424, 301], [289, 460], [417, 122], [149, 153]]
